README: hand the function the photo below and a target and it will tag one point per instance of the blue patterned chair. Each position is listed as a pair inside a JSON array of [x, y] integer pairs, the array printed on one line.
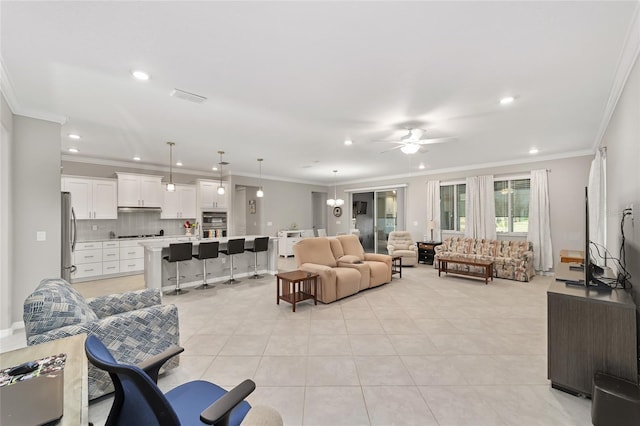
[[134, 325]]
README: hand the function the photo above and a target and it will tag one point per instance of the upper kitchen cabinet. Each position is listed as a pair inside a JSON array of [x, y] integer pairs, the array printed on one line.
[[92, 198], [139, 190], [179, 204], [209, 197]]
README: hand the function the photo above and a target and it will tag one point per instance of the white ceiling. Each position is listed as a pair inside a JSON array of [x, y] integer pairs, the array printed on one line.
[[290, 81]]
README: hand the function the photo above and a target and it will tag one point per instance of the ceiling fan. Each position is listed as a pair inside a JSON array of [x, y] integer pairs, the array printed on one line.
[[413, 141]]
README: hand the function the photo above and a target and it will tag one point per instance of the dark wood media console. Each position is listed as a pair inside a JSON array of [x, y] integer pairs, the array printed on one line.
[[590, 331]]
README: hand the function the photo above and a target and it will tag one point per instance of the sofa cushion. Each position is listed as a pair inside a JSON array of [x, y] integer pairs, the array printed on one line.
[[336, 248], [55, 304], [314, 250], [351, 245]]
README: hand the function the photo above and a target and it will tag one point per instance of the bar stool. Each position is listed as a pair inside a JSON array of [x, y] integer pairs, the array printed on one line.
[[206, 251], [235, 246], [178, 253], [259, 244]]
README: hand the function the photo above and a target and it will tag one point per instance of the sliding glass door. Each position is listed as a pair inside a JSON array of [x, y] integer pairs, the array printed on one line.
[[376, 213]]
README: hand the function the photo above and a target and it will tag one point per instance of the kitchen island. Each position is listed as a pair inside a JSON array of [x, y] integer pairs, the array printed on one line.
[[157, 271]]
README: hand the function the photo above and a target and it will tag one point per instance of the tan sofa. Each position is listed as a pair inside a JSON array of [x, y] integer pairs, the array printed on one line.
[[343, 266], [513, 260]]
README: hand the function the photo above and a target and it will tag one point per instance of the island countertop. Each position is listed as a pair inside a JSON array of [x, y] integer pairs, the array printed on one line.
[[157, 271]]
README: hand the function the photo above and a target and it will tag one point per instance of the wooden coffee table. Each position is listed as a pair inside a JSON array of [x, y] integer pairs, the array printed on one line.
[[487, 265], [296, 286]]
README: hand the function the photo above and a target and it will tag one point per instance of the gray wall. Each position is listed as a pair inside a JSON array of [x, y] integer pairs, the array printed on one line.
[[284, 203], [567, 180], [622, 140], [35, 206]]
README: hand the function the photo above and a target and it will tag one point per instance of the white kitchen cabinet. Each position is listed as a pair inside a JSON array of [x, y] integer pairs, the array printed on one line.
[[131, 256], [87, 259], [92, 198], [209, 197], [139, 190], [180, 204]]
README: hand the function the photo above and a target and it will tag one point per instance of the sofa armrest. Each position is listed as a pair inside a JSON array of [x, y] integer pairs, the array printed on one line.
[[131, 336], [390, 248], [376, 257], [113, 304]]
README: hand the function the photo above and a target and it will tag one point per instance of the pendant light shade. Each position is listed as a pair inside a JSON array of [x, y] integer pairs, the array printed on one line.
[[335, 201], [171, 187], [260, 192], [220, 187]]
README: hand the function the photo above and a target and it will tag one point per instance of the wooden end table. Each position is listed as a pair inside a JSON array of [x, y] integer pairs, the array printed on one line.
[[487, 265], [396, 266], [296, 286]]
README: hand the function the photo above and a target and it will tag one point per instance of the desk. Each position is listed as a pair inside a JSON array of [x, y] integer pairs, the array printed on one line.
[[76, 385]]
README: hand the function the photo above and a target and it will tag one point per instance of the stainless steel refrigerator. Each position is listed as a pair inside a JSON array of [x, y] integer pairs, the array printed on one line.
[[68, 237]]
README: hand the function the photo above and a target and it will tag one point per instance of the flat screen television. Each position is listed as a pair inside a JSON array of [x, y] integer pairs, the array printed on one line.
[[588, 265]]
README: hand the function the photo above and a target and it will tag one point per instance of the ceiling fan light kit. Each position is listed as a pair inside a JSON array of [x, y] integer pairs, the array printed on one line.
[[410, 148]]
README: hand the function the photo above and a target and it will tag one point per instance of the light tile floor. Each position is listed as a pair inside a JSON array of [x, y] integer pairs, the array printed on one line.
[[421, 350]]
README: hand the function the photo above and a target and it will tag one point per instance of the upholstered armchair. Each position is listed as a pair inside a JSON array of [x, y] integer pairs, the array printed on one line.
[[135, 326], [401, 244]]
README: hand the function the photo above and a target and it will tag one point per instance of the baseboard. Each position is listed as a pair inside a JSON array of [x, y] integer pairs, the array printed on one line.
[[9, 331]]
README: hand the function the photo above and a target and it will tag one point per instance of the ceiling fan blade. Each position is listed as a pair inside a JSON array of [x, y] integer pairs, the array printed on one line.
[[391, 149], [435, 140]]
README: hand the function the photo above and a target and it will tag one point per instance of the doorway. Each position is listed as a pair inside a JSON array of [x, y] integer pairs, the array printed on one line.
[[376, 213], [319, 211], [247, 211]]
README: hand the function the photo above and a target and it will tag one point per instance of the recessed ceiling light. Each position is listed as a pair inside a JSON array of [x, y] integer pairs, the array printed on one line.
[[348, 142], [421, 166], [73, 136], [140, 75], [179, 164], [74, 150], [507, 100], [136, 158], [214, 168], [533, 151]]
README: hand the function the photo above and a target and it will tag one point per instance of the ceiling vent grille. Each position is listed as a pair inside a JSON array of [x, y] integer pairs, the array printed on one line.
[[191, 97]]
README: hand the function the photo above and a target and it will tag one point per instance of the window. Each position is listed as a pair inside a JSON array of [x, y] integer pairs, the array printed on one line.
[[452, 207], [512, 205]]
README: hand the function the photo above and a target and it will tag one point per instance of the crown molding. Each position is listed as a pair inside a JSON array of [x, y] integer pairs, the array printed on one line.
[[628, 58], [10, 96], [477, 166]]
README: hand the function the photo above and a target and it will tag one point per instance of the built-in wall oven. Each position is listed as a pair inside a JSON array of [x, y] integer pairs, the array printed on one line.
[[214, 224]]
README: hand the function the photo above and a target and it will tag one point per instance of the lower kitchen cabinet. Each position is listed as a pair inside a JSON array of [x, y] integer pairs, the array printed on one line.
[[100, 259]]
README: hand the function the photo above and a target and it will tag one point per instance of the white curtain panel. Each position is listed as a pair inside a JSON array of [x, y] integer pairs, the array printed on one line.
[[598, 198], [433, 207], [480, 208], [539, 221]]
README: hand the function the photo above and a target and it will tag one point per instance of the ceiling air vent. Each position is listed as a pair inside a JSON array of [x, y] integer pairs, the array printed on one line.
[[191, 97]]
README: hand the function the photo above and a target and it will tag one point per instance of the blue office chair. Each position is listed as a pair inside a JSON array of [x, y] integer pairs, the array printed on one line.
[[139, 401]]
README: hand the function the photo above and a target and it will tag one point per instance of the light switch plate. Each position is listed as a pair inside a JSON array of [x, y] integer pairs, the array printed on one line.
[[41, 236], [269, 223]]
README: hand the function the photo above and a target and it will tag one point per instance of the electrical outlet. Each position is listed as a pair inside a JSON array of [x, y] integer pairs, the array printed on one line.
[[94, 227]]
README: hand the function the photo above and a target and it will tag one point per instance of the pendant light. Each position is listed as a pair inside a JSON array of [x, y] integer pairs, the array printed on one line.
[[260, 192], [221, 188], [171, 187], [335, 201]]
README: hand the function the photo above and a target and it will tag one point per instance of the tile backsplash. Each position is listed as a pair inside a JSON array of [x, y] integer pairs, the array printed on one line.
[[129, 223]]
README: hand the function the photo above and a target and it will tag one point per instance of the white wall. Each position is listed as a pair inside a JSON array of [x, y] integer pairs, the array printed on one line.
[[35, 206], [6, 275], [567, 180], [622, 140]]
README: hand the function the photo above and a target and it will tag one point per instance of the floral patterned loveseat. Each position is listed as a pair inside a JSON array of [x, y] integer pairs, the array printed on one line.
[[513, 260]]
